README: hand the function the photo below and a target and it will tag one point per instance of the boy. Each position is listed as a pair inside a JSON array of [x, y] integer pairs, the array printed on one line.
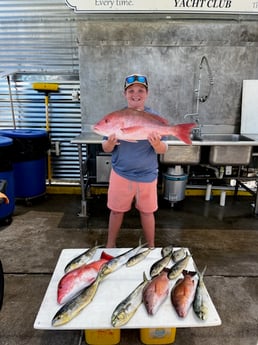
[[134, 169]]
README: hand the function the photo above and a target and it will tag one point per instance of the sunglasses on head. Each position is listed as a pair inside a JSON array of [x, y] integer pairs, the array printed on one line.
[[132, 78]]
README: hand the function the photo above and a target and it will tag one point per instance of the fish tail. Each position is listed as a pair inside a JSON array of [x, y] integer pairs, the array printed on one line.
[[201, 274], [182, 132]]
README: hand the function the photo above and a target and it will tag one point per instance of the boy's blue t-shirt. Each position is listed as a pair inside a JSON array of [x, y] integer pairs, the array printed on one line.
[[136, 161]]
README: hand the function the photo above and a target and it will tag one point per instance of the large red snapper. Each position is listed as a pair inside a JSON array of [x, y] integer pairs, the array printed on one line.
[[132, 125], [155, 292], [74, 281], [183, 293]]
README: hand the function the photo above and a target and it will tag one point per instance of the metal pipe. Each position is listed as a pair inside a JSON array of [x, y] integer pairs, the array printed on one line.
[[11, 100]]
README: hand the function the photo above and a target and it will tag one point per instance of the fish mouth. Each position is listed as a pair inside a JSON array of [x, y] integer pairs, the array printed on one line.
[[95, 129]]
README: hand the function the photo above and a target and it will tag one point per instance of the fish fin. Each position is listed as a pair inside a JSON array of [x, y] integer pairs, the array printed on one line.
[[182, 132], [105, 255], [201, 274], [144, 277]]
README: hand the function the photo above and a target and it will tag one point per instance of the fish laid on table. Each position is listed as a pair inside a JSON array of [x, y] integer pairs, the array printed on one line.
[[166, 250], [200, 300], [183, 293], [159, 265], [134, 260], [178, 267], [178, 254], [81, 259], [74, 281], [132, 125], [120, 260], [156, 292], [128, 307], [73, 307]]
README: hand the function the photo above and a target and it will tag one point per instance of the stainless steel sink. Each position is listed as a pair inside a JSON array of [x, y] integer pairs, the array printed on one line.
[[223, 138], [228, 149], [220, 149], [230, 155], [181, 154]]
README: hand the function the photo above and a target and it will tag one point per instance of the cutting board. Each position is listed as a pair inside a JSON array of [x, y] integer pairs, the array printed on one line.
[[111, 291]]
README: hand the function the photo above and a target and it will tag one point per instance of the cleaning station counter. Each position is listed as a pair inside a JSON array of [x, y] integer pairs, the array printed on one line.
[[239, 149]]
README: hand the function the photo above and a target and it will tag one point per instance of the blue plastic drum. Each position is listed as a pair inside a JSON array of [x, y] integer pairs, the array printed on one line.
[[30, 151], [6, 178]]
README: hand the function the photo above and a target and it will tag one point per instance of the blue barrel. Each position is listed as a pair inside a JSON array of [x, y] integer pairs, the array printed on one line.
[[6, 177], [30, 151]]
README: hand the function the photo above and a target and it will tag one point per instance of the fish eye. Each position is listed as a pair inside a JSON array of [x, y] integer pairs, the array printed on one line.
[[106, 121]]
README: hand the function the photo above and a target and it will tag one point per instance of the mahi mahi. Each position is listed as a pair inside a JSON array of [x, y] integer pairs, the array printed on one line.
[[128, 307], [159, 265], [156, 292], [134, 260], [178, 267], [200, 306], [81, 259], [119, 261]]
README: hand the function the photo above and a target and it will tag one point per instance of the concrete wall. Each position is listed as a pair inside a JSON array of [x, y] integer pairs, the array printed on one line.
[[169, 52]]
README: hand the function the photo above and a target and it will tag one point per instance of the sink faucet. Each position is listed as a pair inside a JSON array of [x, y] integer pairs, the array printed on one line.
[[197, 131]]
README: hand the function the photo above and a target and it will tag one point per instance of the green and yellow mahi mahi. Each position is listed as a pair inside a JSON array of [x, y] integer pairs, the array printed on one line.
[[128, 307]]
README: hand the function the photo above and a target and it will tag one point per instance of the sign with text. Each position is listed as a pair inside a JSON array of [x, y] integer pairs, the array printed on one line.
[[166, 6]]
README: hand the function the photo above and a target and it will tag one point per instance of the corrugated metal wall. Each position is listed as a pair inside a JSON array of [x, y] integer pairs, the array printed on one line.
[[38, 43]]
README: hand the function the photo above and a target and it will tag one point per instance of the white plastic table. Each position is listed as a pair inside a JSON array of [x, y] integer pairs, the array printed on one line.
[[111, 291]]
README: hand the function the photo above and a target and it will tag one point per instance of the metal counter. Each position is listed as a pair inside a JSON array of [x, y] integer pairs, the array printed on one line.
[[85, 139]]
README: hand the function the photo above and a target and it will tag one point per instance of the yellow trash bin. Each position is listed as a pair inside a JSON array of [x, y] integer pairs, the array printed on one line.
[[102, 336], [157, 335]]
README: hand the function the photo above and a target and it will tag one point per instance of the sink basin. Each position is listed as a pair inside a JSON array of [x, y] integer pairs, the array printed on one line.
[[228, 149], [230, 155], [224, 137], [181, 155]]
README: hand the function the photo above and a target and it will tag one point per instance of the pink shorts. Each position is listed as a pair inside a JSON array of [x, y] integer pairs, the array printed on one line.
[[123, 192]]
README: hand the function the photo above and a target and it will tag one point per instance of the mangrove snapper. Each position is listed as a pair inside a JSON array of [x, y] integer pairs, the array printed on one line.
[[132, 125], [155, 292], [183, 292]]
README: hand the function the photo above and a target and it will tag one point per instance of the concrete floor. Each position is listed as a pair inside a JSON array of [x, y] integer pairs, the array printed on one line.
[[223, 238]]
